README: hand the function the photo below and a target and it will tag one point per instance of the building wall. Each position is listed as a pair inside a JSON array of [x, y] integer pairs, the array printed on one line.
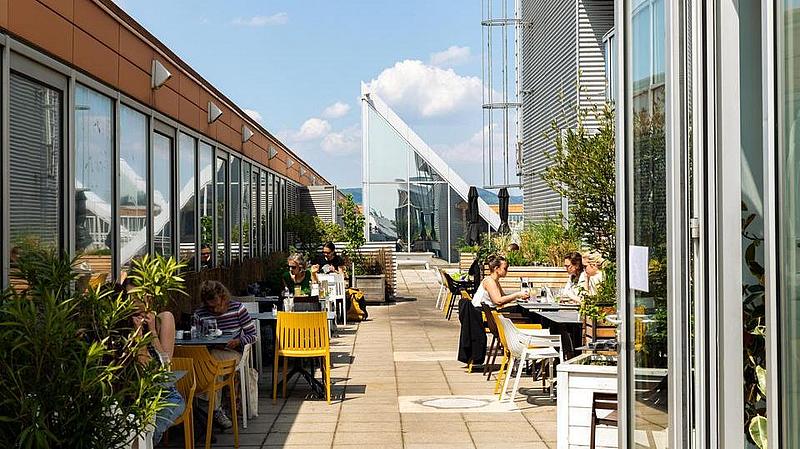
[[99, 39], [562, 49], [549, 76]]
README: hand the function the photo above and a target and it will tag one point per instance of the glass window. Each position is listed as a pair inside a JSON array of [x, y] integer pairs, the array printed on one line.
[[222, 211], [422, 171], [35, 163], [388, 152], [788, 335], [263, 214], [133, 207], [254, 240], [428, 218], [206, 170], [388, 213], [162, 194], [236, 207], [458, 220], [245, 209], [649, 216], [271, 211], [94, 165], [188, 212]]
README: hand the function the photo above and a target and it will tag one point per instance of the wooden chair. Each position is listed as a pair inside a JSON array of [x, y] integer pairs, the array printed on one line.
[[186, 387], [302, 335], [212, 375], [602, 401]]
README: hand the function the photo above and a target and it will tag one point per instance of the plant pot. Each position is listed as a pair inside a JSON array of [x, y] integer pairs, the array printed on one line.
[[578, 379], [594, 329], [373, 286]]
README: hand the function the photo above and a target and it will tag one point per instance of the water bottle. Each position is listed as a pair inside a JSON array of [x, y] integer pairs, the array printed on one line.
[[274, 310], [194, 331], [315, 289]]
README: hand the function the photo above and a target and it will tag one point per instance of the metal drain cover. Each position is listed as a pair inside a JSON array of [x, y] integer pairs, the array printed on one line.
[[454, 403]]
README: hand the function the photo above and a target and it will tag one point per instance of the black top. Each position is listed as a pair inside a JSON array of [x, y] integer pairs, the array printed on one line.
[[329, 266]]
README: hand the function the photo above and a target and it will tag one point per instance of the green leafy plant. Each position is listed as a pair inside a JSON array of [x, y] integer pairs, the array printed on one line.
[[68, 361], [156, 279], [546, 242], [353, 226], [604, 301], [371, 265], [582, 170]]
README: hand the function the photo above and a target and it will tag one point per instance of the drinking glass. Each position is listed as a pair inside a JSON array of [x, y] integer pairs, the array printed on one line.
[[204, 328], [212, 327]]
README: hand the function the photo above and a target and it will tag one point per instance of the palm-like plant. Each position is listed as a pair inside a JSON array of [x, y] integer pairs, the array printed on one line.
[[69, 375]]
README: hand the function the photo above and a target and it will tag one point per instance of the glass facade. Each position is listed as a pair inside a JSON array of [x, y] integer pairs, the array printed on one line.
[[94, 164], [35, 151], [187, 218], [410, 196], [245, 219], [133, 179], [162, 194], [206, 197], [222, 211]]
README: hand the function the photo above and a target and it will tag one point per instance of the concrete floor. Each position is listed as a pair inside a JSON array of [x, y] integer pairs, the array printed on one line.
[[389, 369]]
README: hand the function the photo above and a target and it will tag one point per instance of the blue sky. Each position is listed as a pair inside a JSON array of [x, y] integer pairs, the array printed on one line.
[[299, 64]]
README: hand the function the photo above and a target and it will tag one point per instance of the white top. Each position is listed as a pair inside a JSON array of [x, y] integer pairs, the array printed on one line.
[[594, 283], [571, 289], [482, 297]]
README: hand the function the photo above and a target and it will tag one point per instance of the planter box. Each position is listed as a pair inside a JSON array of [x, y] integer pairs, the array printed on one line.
[[373, 287], [594, 330], [552, 277], [578, 379], [465, 261]]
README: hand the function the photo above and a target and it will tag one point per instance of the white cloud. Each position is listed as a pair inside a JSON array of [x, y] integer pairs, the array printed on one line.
[[453, 56], [336, 110], [471, 150], [343, 142], [255, 115], [415, 88], [280, 18], [312, 129]]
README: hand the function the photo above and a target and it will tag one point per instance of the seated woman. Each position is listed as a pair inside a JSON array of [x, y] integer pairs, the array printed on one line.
[[298, 276], [489, 291], [161, 346], [329, 262], [593, 262], [231, 317], [573, 263]]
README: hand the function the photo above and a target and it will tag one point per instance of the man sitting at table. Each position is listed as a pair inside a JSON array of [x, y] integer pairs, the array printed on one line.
[[329, 262], [232, 317]]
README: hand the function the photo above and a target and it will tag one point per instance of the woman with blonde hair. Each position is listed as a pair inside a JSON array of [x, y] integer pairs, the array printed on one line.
[[593, 263], [298, 276]]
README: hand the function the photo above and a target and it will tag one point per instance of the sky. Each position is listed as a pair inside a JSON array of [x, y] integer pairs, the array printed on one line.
[[296, 66]]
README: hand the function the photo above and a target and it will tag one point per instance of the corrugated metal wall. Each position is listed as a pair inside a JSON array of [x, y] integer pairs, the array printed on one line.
[[595, 19], [549, 66], [319, 201], [564, 40]]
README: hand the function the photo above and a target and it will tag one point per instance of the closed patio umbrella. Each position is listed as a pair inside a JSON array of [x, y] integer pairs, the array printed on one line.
[[473, 217], [503, 196]]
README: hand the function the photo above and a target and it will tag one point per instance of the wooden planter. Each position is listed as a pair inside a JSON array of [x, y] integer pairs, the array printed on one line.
[[465, 261], [602, 329], [373, 287]]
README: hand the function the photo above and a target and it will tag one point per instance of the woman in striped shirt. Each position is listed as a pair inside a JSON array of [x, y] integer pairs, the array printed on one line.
[[232, 317]]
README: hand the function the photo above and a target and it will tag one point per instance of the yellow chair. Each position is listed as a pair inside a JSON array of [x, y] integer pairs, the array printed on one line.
[[212, 375], [186, 386], [302, 335]]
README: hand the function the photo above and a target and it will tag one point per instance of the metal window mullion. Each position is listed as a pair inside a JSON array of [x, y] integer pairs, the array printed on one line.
[[116, 251], [68, 163], [4, 167], [149, 187], [773, 147]]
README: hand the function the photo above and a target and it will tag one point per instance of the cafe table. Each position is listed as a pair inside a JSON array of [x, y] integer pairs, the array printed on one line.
[[206, 341]]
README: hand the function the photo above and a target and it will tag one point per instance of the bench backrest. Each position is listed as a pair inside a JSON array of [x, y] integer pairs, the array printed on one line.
[[552, 277]]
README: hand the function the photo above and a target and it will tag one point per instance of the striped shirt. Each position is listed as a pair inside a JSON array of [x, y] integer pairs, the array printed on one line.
[[236, 319]]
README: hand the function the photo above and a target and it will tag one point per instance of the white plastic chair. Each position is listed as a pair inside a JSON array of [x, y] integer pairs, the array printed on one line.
[[442, 290], [252, 307], [244, 364], [529, 347], [336, 293]]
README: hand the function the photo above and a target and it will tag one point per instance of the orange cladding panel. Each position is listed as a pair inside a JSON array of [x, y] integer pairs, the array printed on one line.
[[134, 82], [134, 50], [97, 23], [95, 58], [40, 25]]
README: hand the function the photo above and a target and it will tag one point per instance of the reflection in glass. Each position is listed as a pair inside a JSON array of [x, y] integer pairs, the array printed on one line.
[[222, 210], [94, 161], [236, 207], [206, 170], [421, 170], [388, 152], [271, 211], [162, 194], [133, 207], [262, 210], [245, 210], [428, 218], [254, 240], [650, 216], [188, 216], [789, 230], [388, 213], [34, 159]]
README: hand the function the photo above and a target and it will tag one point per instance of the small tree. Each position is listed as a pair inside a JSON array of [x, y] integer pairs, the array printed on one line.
[[582, 171], [353, 224]]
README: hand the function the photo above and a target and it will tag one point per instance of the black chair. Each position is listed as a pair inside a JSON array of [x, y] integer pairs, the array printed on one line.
[[603, 401], [455, 288]]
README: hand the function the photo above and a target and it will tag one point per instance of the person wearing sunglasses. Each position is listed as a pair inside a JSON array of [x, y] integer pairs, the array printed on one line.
[[297, 275], [329, 262]]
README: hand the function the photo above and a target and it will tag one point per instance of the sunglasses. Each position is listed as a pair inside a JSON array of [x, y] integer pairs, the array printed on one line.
[[292, 267]]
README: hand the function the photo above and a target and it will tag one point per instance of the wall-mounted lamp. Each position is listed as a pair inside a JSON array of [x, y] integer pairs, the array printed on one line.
[[214, 112], [272, 152], [289, 163], [158, 75], [246, 134]]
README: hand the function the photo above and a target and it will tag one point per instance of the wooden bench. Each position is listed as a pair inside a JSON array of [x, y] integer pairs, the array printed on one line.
[[414, 259]]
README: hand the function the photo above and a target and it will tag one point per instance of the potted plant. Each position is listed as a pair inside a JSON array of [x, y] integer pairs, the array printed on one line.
[[369, 276], [69, 360], [595, 308]]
